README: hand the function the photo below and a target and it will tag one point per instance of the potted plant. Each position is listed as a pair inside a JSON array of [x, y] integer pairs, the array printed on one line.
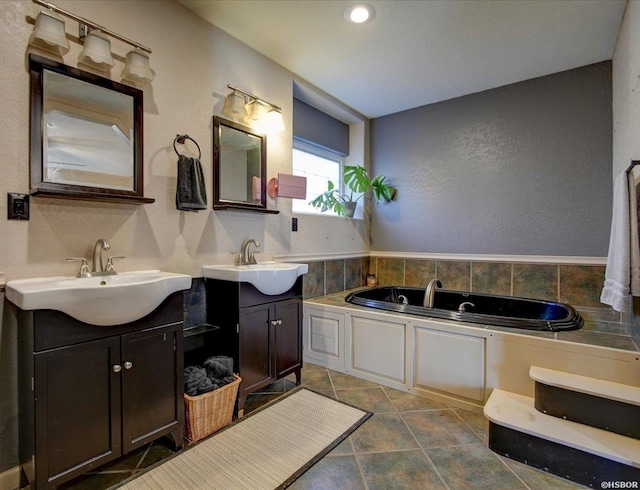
[[357, 180]]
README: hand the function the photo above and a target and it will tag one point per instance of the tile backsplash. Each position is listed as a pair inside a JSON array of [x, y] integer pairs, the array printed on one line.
[[578, 285], [333, 276]]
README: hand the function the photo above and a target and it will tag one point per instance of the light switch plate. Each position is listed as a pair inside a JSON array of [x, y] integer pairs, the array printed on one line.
[[17, 206]]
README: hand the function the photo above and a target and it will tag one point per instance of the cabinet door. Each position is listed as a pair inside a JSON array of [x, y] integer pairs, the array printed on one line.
[[152, 402], [255, 348], [77, 409], [288, 336]]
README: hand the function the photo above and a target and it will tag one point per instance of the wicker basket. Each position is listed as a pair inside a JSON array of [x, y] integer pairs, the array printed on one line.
[[205, 414]]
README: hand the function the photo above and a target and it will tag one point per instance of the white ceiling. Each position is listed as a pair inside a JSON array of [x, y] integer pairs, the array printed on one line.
[[417, 52]]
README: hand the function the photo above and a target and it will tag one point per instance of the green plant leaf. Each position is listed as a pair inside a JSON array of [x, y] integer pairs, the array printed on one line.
[[328, 199], [339, 208], [381, 190], [356, 178]]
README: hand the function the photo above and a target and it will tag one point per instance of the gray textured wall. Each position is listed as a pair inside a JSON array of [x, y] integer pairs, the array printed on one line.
[[523, 169]]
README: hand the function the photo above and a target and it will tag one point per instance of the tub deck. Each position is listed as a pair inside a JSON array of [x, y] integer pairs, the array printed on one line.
[[601, 326]]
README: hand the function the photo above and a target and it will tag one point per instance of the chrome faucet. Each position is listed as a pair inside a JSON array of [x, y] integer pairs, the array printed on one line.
[[430, 292], [100, 245], [247, 257], [98, 268]]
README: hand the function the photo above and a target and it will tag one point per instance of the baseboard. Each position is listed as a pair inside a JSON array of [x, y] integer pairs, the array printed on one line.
[[10, 479]]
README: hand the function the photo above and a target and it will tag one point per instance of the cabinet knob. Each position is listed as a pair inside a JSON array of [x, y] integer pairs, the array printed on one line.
[[274, 322], [128, 365], [117, 368], [279, 322]]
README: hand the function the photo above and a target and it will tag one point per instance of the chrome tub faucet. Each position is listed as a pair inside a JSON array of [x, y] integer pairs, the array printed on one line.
[[430, 292]]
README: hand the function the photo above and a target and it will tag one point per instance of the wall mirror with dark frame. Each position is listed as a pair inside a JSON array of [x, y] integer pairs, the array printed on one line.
[[86, 135], [239, 167]]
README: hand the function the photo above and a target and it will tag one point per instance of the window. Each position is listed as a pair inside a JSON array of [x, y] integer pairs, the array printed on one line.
[[322, 145], [319, 167]]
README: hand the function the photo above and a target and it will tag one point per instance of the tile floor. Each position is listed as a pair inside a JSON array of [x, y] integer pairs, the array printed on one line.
[[409, 443]]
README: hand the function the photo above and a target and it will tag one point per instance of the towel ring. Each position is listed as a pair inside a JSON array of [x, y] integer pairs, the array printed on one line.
[[181, 138]]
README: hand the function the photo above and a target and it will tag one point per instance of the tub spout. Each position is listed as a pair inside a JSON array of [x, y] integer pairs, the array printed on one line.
[[430, 292]]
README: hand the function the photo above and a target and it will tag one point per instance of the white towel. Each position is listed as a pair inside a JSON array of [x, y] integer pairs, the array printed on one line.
[[618, 272]]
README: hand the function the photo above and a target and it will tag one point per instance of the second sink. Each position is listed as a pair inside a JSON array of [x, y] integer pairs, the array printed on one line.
[[269, 278]]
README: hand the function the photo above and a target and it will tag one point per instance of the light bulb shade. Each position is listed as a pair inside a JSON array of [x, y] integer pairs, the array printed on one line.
[[136, 68], [255, 111], [274, 121], [234, 105], [49, 34], [96, 52], [271, 122]]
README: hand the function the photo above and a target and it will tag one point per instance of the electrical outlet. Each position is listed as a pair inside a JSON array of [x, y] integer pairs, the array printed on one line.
[[294, 224], [17, 206]]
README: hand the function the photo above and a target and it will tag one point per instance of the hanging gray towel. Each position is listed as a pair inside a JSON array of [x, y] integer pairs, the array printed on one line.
[[191, 194]]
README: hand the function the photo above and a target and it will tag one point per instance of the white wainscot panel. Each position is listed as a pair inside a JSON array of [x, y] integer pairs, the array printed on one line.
[[324, 337], [511, 357], [378, 348], [450, 362]]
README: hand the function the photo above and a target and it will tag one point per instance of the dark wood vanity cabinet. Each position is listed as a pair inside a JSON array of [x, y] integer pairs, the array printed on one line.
[[262, 333], [90, 394]]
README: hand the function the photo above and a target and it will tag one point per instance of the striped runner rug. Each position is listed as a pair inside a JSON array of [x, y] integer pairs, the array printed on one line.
[[267, 449]]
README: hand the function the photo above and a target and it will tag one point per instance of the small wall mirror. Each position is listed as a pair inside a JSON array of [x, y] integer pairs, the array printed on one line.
[[239, 167], [86, 135]]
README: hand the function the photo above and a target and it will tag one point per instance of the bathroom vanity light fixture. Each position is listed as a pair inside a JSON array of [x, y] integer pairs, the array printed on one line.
[[234, 105], [96, 52], [136, 68], [359, 14], [49, 34], [264, 116], [256, 111], [273, 121]]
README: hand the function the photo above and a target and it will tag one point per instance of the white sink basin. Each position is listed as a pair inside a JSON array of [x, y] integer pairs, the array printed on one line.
[[103, 300], [268, 277]]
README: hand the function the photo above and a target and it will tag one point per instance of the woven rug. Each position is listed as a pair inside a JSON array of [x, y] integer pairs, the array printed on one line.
[[267, 449]]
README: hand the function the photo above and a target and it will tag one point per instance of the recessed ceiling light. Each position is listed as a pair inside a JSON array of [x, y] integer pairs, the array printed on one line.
[[358, 14]]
